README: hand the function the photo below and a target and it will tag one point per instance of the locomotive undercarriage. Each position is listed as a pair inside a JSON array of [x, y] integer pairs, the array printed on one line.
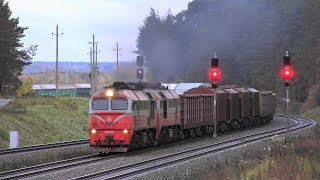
[[146, 138], [142, 139]]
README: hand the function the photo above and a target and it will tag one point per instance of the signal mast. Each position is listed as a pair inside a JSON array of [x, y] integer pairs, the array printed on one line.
[[287, 73], [215, 75], [140, 73]]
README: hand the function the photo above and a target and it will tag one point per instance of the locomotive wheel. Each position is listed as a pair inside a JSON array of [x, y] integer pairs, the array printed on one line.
[[192, 134], [233, 125], [256, 121], [175, 134], [181, 135], [198, 132], [207, 130], [103, 154]]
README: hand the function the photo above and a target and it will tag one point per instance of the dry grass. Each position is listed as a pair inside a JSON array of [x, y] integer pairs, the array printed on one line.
[[298, 160]]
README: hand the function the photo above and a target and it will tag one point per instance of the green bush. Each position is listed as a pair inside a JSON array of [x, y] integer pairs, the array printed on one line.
[[26, 88]]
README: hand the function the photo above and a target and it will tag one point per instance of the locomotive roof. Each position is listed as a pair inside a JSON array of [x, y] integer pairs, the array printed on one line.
[[136, 91], [136, 85]]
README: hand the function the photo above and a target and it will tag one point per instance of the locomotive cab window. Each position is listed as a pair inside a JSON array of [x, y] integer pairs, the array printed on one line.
[[119, 104], [100, 104]]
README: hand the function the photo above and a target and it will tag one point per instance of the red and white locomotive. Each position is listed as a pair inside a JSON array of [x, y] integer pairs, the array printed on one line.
[[127, 116]]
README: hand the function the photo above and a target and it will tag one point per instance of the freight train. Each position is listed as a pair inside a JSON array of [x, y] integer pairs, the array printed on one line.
[[128, 116]]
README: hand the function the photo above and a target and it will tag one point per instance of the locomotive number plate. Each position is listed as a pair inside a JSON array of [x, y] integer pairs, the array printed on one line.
[[109, 132]]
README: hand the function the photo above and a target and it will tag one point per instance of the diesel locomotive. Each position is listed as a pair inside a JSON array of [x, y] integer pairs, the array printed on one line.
[[128, 116]]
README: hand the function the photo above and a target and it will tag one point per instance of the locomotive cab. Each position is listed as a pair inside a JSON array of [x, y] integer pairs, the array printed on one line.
[[110, 120]]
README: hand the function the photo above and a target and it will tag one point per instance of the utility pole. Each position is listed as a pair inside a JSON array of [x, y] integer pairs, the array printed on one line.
[[57, 64], [117, 49], [93, 62], [91, 72]]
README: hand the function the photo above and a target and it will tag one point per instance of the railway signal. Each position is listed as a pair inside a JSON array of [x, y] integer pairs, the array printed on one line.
[[215, 75], [215, 72], [287, 74], [140, 72]]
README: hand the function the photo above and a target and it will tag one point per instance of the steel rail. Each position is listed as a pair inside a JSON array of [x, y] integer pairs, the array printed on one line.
[[171, 159], [43, 146], [54, 166]]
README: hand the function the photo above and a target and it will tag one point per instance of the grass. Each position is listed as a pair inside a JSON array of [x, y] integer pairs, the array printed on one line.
[[313, 114], [42, 120], [297, 160]]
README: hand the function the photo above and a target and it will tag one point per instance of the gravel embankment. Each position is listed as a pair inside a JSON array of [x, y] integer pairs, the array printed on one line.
[[182, 170]]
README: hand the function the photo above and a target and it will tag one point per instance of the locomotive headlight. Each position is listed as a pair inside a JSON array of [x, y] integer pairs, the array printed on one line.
[[93, 131], [125, 131], [109, 93]]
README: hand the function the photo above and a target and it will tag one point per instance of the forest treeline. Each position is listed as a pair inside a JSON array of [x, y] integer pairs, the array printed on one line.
[[250, 38]]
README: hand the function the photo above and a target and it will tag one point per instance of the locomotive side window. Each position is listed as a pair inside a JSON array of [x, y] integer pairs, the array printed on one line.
[[165, 108], [119, 104], [100, 104], [151, 115]]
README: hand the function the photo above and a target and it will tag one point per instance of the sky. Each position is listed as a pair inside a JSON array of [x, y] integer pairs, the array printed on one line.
[[111, 21]]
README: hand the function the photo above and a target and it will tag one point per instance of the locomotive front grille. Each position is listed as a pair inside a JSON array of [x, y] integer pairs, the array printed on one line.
[[109, 139]]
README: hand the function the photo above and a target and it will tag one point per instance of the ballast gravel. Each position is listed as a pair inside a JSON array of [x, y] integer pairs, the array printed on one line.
[[32, 158], [182, 170]]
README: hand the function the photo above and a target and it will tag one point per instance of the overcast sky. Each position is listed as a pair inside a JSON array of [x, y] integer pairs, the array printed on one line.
[[111, 21]]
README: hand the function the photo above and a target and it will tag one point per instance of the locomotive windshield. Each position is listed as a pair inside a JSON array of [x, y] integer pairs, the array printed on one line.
[[119, 104], [100, 104]]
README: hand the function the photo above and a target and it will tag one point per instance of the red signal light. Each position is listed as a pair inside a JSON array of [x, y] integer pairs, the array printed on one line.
[[140, 73], [287, 72], [215, 74]]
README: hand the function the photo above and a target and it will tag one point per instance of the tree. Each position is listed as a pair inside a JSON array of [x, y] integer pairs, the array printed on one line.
[[13, 55], [26, 88]]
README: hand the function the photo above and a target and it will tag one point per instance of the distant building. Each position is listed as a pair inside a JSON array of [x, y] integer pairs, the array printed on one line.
[[83, 90], [73, 90]]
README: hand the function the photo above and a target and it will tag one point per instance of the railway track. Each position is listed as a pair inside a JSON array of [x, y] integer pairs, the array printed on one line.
[[43, 146], [175, 158], [54, 166], [151, 164]]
